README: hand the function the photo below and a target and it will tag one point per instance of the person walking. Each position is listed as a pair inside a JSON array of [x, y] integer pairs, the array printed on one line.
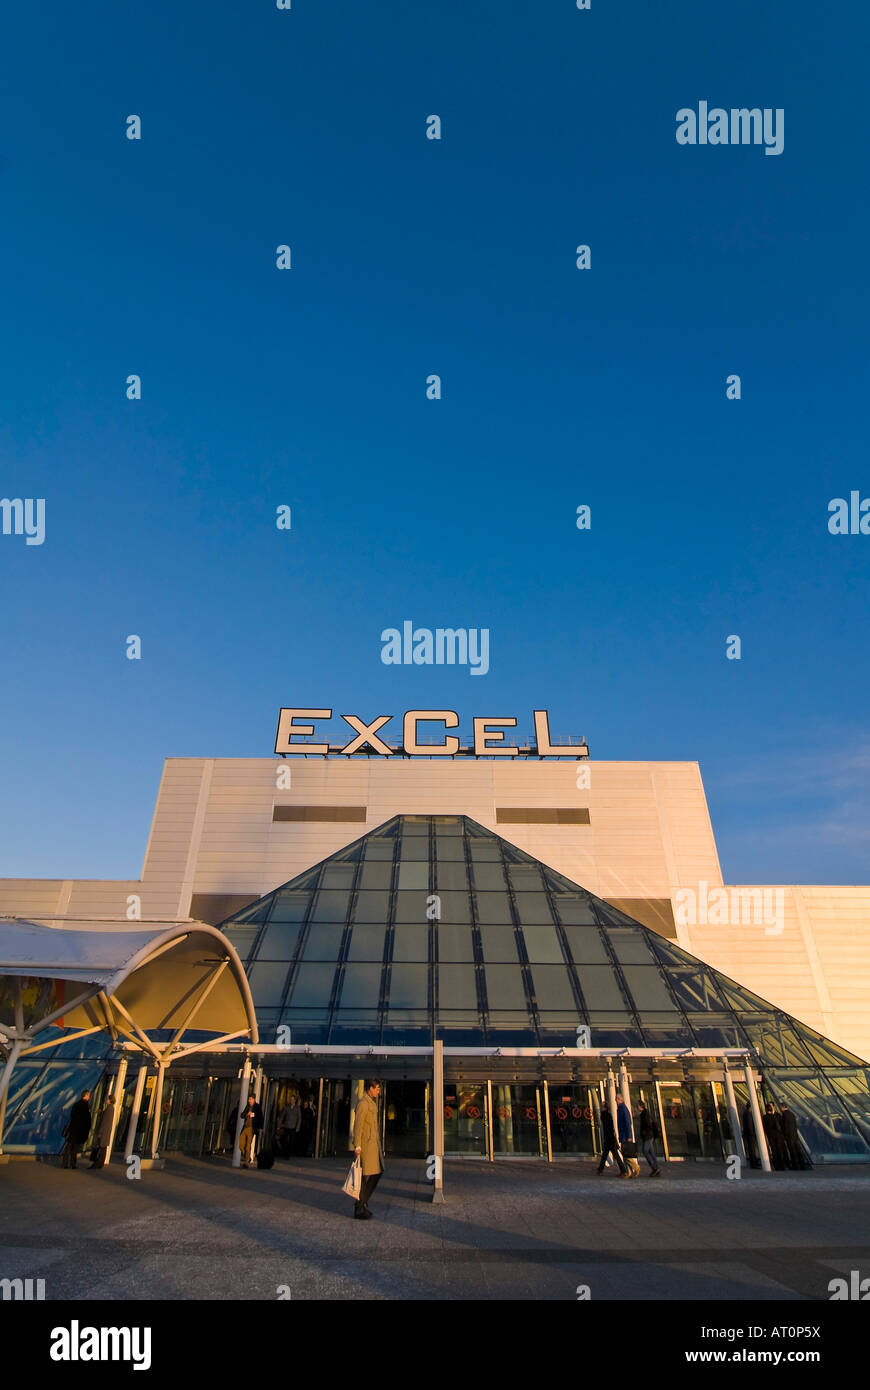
[[794, 1151], [78, 1127], [289, 1125], [627, 1143], [252, 1123], [773, 1134], [103, 1134], [609, 1144], [368, 1147], [648, 1130]]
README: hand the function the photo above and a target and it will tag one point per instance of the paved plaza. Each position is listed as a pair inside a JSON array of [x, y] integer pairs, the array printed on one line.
[[509, 1230]]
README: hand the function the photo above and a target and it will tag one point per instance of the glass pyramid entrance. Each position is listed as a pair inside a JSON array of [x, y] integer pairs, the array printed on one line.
[[433, 926]]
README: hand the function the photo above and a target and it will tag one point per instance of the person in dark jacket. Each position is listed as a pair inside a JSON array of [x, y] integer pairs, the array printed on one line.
[[627, 1145], [78, 1128], [773, 1134], [749, 1140], [309, 1124], [103, 1134], [794, 1152], [609, 1143], [648, 1131], [252, 1124]]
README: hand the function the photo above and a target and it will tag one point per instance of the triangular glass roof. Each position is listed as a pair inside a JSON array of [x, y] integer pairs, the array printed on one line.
[[433, 926]]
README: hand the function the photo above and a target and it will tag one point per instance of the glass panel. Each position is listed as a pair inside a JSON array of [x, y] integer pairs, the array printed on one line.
[[552, 987], [267, 983], [454, 943], [586, 945], [493, 907], [823, 1121], [412, 943], [324, 943], [776, 1041], [375, 876], [504, 987], [516, 1120], [489, 878], [713, 1031], [361, 986], [452, 876], [414, 826], [367, 943], [242, 938], [574, 1119], [533, 907], [455, 907], [331, 906], [450, 847], [613, 1030], [290, 907], [694, 987], [680, 1120], [313, 985], [484, 851], [612, 917], [371, 907], [647, 988], [409, 987], [739, 998], [601, 989], [542, 943], [631, 947], [415, 848], [465, 1125], [574, 910], [337, 876], [457, 987], [499, 944], [411, 905], [672, 1033], [854, 1087], [825, 1052], [558, 1029], [414, 874], [379, 849], [349, 855], [279, 941], [525, 878]]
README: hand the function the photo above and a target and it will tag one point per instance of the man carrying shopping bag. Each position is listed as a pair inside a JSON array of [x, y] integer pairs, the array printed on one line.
[[368, 1147]]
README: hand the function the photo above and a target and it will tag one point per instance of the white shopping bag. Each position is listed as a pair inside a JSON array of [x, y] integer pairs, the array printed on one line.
[[353, 1181]]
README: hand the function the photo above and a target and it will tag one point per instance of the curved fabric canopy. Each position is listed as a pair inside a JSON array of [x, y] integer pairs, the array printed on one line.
[[173, 976]]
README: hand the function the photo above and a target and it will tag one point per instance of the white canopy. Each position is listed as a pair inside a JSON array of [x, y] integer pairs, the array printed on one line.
[[88, 975]]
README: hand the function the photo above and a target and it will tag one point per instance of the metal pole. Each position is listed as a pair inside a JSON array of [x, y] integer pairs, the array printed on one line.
[[116, 1109], [5, 1078], [547, 1121], [732, 1112], [158, 1099], [662, 1121], [243, 1100], [760, 1137], [134, 1113], [489, 1119], [438, 1116]]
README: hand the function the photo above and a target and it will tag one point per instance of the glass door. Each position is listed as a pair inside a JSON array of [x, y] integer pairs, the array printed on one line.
[[465, 1119], [517, 1121], [679, 1120], [573, 1120]]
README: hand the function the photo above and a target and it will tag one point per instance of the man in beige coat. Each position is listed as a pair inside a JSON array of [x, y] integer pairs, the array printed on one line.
[[367, 1144]]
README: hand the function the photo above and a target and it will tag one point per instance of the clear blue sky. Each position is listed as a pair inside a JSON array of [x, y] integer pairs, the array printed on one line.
[[561, 387]]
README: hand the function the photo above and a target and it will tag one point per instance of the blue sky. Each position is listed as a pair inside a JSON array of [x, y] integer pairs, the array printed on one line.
[[560, 387]]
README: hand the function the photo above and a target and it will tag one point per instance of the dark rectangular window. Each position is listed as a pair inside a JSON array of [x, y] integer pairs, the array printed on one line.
[[542, 815], [347, 813]]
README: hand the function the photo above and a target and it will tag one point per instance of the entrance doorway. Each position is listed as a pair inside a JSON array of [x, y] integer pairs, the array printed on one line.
[[517, 1121], [692, 1125], [575, 1124], [405, 1117]]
